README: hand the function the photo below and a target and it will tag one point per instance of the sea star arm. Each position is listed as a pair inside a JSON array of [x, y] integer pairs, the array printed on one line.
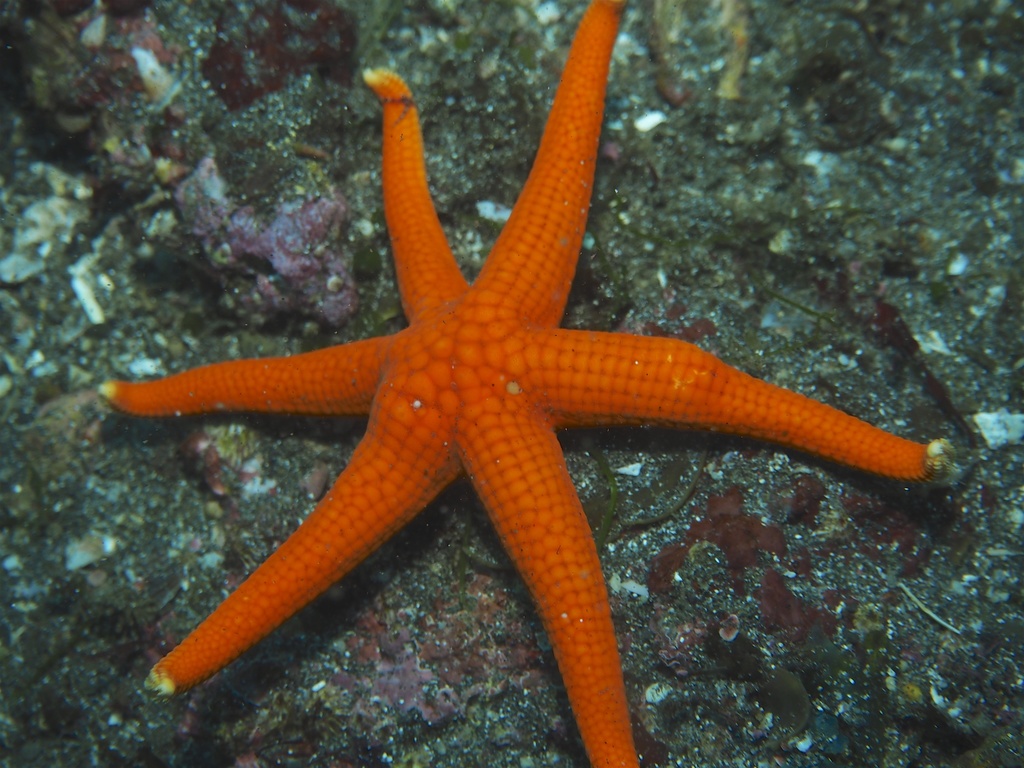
[[533, 261], [427, 272], [337, 381], [387, 482], [612, 378], [517, 467]]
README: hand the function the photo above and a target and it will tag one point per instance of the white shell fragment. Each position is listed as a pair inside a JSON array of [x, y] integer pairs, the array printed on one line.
[[88, 550], [958, 265], [650, 120], [161, 86], [630, 470], [94, 33], [43, 226], [81, 284], [141, 367], [1000, 427], [548, 13], [486, 209], [621, 586]]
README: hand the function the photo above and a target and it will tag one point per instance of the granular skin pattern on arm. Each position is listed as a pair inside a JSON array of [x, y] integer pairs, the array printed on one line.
[[517, 468], [367, 504], [316, 383], [533, 261], [478, 383], [591, 378], [428, 275]]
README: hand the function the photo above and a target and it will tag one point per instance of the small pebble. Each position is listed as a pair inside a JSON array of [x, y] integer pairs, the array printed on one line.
[[548, 13], [88, 550], [1000, 427], [145, 366], [958, 265], [493, 211], [648, 121], [630, 470]]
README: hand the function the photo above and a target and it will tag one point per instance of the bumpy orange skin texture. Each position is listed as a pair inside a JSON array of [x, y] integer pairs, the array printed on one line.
[[477, 385]]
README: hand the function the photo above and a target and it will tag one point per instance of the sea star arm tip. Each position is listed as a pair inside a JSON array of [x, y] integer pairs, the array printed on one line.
[[337, 381], [387, 84], [518, 469], [550, 215], [593, 379], [160, 682], [940, 462], [428, 275], [389, 479]]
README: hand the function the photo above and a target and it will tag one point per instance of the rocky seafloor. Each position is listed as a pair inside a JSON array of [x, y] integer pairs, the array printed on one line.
[[827, 196]]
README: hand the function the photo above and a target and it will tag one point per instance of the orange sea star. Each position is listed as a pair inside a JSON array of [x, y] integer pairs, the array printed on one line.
[[477, 385]]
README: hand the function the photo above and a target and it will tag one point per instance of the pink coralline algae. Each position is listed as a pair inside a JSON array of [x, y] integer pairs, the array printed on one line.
[[289, 266], [435, 665]]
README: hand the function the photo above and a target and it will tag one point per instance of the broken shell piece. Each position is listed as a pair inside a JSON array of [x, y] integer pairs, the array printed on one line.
[[94, 33], [82, 281], [43, 226], [650, 120], [81, 284], [88, 550], [1000, 427], [161, 86]]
